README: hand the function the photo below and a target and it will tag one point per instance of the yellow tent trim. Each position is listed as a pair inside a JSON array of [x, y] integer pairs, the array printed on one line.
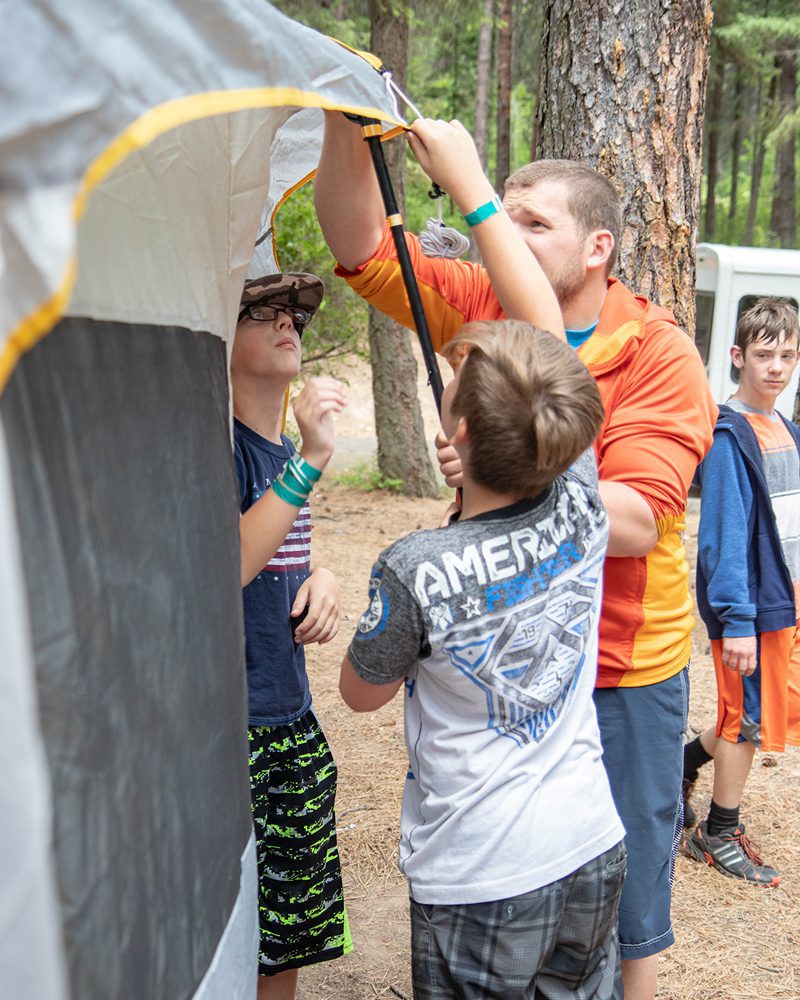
[[373, 60], [139, 134], [389, 134]]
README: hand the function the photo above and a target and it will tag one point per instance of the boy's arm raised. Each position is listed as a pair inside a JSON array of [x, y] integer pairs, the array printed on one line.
[[263, 528], [447, 154], [351, 212]]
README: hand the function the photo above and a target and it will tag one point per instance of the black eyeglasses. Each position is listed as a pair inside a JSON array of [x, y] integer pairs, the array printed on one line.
[[265, 314]]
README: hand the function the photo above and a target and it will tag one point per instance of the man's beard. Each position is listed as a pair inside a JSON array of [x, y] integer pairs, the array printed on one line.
[[567, 283]]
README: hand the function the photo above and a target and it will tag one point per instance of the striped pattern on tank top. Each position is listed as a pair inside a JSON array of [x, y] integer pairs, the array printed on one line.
[[782, 472]]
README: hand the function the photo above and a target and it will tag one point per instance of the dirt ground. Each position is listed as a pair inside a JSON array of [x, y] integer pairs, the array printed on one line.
[[734, 942]]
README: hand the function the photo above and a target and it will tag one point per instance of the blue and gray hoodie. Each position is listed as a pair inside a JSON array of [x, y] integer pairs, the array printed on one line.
[[743, 583]]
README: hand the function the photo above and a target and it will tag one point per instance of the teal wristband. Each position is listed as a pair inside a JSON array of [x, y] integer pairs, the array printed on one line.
[[309, 471], [287, 494], [484, 212], [291, 478]]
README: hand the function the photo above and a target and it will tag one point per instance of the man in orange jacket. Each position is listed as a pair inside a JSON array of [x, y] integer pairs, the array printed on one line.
[[659, 417]]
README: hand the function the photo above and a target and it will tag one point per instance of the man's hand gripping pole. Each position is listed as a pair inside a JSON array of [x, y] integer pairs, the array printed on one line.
[[371, 131]]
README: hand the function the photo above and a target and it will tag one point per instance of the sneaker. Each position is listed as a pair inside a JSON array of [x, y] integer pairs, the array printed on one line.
[[732, 853], [689, 815]]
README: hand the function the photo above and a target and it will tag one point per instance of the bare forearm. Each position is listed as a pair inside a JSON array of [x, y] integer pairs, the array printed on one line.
[[447, 153], [517, 280], [362, 696], [632, 526], [264, 526], [262, 530], [346, 194]]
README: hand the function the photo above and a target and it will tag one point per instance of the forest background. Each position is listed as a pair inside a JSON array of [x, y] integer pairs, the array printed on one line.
[[514, 71]]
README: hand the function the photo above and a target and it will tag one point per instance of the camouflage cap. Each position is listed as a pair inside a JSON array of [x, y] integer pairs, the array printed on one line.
[[302, 290]]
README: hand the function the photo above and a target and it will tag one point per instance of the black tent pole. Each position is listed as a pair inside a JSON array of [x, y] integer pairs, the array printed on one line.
[[372, 130]]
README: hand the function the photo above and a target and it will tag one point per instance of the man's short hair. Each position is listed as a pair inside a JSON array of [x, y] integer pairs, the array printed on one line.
[[767, 320], [591, 198], [530, 404]]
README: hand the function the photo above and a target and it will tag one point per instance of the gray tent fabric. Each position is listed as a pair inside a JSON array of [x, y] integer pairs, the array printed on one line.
[[137, 634], [88, 83], [31, 956], [144, 147]]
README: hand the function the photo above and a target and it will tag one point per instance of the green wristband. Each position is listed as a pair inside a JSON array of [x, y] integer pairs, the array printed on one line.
[[484, 212], [287, 494], [294, 481], [308, 470]]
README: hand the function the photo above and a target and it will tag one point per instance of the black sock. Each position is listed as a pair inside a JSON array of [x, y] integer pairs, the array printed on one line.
[[694, 756], [721, 819]]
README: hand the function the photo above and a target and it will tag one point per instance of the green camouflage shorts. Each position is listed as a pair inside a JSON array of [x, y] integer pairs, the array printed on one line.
[[302, 916]]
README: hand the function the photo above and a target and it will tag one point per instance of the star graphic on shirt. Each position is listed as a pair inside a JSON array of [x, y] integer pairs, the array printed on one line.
[[472, 607]]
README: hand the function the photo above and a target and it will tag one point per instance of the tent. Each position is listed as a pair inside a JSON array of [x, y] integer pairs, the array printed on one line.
[[141, 145]]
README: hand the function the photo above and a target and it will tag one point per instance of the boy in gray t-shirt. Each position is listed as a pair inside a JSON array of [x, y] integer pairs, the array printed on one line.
[[509, 837]]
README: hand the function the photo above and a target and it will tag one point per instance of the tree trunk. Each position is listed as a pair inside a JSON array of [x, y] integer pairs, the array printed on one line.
[[623, 90], [503, 160], [783, 223], [736, 149], [402, 450], [482, 80], [759, 152], [713, 122]]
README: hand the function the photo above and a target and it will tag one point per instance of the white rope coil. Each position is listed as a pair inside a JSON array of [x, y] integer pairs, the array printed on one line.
[[439, 240]]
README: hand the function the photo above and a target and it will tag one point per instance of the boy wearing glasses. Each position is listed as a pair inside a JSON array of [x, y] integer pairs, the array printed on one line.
[[286, 606]]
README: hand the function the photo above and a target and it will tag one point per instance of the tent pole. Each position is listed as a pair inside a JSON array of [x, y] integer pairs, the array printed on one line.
[[371, 130]]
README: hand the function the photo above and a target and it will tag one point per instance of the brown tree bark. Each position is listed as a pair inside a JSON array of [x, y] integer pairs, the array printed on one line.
[[783, 221], [402, 449], [713, 123], [504, 37], [623, 89]]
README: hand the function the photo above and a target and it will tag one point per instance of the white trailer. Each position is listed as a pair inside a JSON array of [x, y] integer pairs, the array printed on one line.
[[729, 280]]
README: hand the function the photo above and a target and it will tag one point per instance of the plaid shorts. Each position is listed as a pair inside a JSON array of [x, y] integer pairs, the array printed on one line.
[[559, 941], [301, 911]]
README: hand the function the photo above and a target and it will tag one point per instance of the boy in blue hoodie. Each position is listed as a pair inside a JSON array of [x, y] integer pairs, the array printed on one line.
[[748, 584]]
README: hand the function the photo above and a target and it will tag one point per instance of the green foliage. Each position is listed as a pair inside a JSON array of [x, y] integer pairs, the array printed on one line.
[[755, 36], [730, 230], [348, 22], [368, 479], [750, 39]]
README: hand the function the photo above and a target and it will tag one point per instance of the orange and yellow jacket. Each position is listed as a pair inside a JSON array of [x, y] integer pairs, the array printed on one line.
[[658, 425]]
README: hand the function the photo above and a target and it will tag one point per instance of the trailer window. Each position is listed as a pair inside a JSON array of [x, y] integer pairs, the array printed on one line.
[[704, 303]]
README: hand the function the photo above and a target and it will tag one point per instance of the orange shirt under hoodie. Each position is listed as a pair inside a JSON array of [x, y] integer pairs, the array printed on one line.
[[658, 426]]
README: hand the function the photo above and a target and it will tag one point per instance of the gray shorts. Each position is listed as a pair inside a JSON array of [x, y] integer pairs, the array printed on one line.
[[559, 941]]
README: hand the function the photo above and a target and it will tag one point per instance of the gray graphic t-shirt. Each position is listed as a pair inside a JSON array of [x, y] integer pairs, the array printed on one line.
[[493, 624]]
